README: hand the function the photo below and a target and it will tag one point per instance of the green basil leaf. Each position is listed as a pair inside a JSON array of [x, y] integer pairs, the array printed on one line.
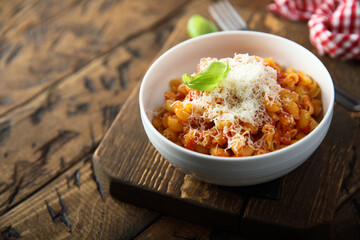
[[209, 78], [198, 25], [205, 82], [187, 78], [216, 67], [227, 70]]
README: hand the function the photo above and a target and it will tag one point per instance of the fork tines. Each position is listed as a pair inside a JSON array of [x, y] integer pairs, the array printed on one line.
[[226, 16]]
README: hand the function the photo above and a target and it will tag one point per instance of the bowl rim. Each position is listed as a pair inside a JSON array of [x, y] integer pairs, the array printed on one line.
[[325, 120]]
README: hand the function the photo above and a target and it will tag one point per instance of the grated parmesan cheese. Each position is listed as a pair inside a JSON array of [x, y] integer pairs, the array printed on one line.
[[239, 98]]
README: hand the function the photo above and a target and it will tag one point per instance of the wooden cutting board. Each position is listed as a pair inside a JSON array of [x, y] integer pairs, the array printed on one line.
[[138, 174]]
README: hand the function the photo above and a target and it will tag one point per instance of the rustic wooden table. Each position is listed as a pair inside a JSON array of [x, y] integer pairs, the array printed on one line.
[[69, 68]]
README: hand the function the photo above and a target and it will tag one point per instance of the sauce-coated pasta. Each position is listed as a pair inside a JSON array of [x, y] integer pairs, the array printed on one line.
[[288, 110]]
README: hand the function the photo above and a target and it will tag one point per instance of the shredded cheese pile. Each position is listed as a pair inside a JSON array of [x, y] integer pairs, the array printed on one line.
[[239, 97]]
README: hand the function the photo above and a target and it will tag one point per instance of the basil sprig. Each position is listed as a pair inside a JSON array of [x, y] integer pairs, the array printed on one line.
[[209, 78]]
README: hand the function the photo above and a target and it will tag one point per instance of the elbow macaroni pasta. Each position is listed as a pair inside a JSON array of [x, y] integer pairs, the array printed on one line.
[[293, 117]]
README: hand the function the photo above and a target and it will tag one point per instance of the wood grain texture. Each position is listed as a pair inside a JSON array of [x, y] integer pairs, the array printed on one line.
[[309, 194], [67, 137], [346, 223], [85, 216], [41, 53], [18, 15], [68, 67], [67, 120]]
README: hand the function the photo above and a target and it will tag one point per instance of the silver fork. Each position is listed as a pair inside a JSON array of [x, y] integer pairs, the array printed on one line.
[[226, 16], [228, 19]]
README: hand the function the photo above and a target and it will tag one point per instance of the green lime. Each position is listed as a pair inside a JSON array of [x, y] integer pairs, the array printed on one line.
[[198, 25]]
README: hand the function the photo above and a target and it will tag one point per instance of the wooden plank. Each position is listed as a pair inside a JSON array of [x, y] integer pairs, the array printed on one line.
[[78, 210], [18, 15], [72, 117], [346, 222], [174, 229], [60, 114], [306, 207], [36, 57], [351, 181]]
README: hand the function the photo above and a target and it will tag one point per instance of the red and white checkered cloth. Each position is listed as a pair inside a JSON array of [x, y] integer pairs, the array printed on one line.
[[334, 24]]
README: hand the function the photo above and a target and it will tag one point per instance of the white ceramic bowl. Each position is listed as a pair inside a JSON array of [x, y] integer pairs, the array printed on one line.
[[231, 171]]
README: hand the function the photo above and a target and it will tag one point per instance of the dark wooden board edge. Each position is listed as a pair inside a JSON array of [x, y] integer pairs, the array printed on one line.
[[185, 209], [267, 190], [262, 230]]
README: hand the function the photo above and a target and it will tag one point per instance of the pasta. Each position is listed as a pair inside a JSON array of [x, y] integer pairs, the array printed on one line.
[[235, 125]]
